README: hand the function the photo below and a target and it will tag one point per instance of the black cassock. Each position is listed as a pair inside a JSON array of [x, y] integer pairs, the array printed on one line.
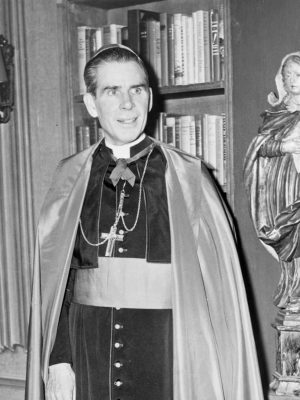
[[120, 353]]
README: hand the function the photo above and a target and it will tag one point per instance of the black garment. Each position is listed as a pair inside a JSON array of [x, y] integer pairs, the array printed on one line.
[[151, 237], [147, 370], [130, 353]]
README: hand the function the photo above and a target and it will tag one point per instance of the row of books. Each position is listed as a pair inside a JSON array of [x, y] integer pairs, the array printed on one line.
[[87, 134], [202, 135], [182, 49]]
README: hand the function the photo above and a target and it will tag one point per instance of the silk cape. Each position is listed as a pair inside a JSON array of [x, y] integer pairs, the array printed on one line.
[[214, 350]]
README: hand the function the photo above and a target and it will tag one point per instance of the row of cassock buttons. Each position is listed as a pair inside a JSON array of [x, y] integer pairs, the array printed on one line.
[[118, 364]]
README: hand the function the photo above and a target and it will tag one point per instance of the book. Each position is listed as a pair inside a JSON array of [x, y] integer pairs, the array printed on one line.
[[164, 49], [79, 138], [134, 20], [209, 141], [112, 33], [220, 172], [200, 51], [171, 68], [83, 54], [99, 37], [86, 137], [224, 149], [214, 44], [170, 137], [199, 135], [222, 42], [178, 50], [185, 133], [187, 49]]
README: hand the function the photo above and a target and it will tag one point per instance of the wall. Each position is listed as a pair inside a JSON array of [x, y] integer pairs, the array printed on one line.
[[263, 31], [34, 29]]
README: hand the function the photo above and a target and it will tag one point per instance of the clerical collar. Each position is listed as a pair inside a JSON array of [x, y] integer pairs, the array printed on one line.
[[126, 150]]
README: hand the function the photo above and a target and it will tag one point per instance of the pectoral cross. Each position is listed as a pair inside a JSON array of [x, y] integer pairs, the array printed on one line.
[[112, 238]]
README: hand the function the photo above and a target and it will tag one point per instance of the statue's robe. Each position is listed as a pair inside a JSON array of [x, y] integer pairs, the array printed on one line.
[[273, 188]]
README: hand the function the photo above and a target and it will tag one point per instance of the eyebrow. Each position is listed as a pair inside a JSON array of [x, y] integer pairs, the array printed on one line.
[[144, 85]]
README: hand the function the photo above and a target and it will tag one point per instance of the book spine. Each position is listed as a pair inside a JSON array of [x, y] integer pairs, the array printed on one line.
[[86, 137], [158, 53], [219, 150], [144, 47], [185, 133], [92, 44], [199, 45], [79, 138], [170, 134], [99, 37], [190, 51], [171, 57], [224, 149], [214, 45], [199, 135], [206, 40], [177, 131], [152, 44], [133, 19], [124, 36], [222, 42], [164, 49], [81, 56], [192, 136], [178, 59]]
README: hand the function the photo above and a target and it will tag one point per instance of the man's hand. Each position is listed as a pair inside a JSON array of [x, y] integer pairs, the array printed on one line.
[[61, 383]]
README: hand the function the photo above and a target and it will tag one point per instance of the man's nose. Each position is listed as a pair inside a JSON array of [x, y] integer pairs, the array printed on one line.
[[126, 101]]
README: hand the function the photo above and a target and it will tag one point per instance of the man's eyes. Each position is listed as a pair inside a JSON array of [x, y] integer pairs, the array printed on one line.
[[115, 91]]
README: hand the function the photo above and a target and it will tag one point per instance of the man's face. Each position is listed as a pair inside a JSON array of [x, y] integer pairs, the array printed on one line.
[[122, 101], [291, 78]]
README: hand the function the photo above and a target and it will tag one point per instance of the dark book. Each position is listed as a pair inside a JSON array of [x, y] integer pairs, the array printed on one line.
[[164, 49], [215, 44], [79, 139], [170, 27], [134, 20]]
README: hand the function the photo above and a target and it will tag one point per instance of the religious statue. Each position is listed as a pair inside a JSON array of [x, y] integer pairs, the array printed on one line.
[[272, 179]]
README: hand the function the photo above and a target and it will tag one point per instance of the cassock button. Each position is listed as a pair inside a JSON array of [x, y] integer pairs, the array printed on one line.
[[118, 383], [121, 232], [118, 345], [122, 250], [118, 326], [118, 364]]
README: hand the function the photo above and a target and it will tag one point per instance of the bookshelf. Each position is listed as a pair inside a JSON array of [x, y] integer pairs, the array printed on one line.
[[208, 97]]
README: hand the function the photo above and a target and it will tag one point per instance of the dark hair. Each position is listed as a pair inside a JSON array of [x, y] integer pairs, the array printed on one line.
[[107, 54]]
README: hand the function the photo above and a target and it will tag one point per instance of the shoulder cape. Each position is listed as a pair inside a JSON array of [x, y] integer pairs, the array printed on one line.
[[214, 351]]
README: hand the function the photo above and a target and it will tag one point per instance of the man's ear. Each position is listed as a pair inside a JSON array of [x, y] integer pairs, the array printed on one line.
[[150, 100], [89, 101]]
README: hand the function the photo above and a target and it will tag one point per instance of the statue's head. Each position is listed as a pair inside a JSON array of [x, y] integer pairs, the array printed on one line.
[[290, 66]]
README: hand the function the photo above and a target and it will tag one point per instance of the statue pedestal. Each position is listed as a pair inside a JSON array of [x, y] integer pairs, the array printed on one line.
[[287, 375]]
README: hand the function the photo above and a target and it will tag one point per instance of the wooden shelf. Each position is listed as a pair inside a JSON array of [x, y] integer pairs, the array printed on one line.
[[110, 4], [199, 89]]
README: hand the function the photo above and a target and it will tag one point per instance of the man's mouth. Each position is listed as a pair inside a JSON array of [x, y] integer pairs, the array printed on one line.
[[127, 121]]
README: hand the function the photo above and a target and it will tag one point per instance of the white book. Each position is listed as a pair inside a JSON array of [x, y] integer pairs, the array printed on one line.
[[199, 47], [178, 54], [185, 133]]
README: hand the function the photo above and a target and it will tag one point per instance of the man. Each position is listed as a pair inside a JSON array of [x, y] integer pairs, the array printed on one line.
[[142, 295]]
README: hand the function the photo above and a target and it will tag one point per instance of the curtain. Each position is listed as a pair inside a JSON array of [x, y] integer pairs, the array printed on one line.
[[16, 205]]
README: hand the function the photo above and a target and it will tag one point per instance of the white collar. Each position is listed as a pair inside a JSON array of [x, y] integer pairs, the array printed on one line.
[[123, 151]]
